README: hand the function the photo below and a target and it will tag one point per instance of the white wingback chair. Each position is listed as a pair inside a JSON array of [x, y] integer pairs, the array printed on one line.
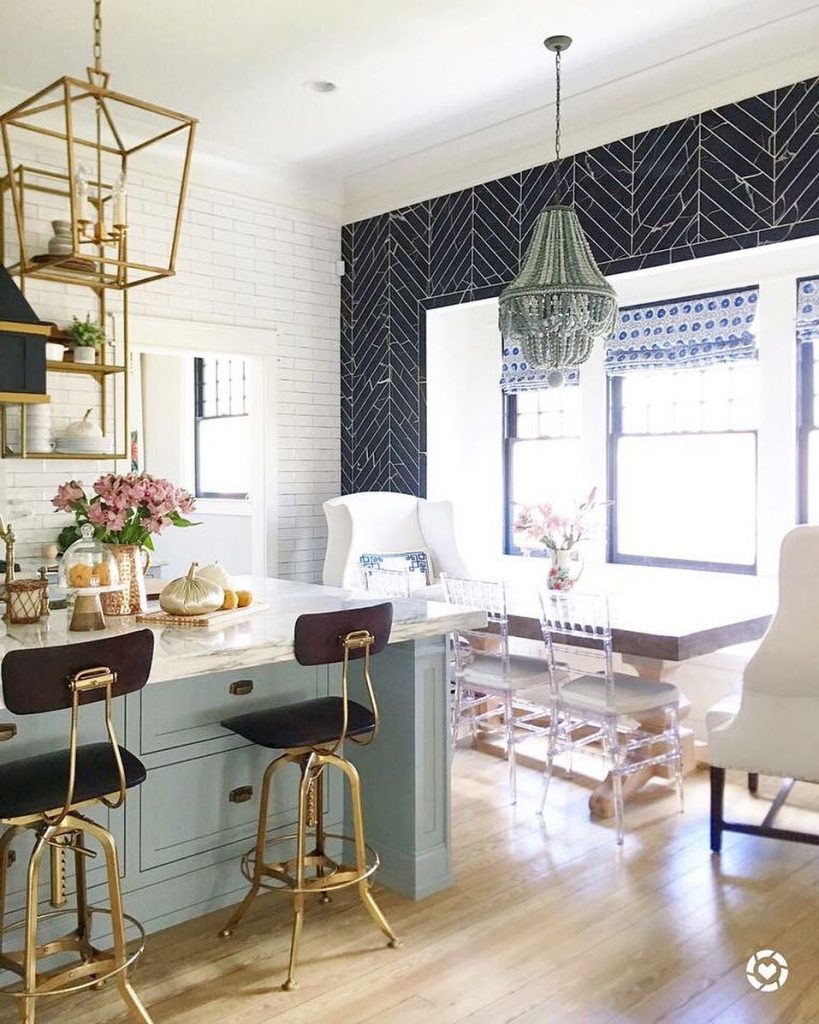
[[774, 731], [385, 522]]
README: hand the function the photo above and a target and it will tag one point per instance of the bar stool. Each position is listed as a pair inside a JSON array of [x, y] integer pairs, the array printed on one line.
[[47, 795], [310, 734]]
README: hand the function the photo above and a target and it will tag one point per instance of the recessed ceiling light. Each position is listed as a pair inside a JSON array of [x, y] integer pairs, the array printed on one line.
[[318, 85]]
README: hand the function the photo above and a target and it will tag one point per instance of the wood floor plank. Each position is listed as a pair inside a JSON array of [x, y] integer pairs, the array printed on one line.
[[548, 921]]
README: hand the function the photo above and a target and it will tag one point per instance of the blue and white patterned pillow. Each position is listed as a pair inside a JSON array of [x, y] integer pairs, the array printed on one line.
[[415, 563]]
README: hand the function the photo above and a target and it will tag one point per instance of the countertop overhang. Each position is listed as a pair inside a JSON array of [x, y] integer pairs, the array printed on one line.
[[263, 638]]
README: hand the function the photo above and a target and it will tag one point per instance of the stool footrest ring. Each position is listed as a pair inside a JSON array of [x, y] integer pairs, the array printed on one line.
[[337, 876], [84, 965]]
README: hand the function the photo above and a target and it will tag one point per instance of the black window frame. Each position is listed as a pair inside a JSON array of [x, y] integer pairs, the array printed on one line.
[[199, 418], [614, 433]]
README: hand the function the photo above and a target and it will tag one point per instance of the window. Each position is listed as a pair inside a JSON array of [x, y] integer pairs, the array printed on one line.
[[542, 451], [223, 438], [682, 467]]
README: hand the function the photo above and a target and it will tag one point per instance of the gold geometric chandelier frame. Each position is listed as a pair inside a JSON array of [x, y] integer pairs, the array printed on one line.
[[121, 129]]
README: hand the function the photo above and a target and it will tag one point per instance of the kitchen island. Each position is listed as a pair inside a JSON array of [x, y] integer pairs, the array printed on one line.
[[183, 832]]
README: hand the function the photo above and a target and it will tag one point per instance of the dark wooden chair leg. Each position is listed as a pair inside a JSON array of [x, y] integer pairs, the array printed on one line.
[[753, 782], [717, 793]]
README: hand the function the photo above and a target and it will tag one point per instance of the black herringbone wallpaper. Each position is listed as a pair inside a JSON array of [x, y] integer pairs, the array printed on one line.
[[744, 175]]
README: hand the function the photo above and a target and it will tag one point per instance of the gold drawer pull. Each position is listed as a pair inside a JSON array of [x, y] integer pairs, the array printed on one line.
[[241, 688], [241, 795], [7, 732]]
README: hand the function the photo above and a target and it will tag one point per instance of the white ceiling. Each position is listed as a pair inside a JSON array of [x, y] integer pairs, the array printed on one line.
[[413, 75]]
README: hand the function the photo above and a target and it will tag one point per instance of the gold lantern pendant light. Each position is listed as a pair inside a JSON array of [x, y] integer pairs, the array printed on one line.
[[89, 140], [560, 303]]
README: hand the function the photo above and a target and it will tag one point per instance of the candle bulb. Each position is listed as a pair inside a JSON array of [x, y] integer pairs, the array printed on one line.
[[81, 197], [119, 195]]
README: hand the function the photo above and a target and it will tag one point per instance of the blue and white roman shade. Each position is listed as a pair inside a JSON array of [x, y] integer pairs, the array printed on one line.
[[684, 333], [807, 309], [517, 375]]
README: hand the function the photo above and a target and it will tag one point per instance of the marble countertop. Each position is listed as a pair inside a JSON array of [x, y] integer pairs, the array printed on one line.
[[260, 639]]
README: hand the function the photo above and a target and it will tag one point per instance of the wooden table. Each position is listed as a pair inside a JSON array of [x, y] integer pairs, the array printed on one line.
[[654, 627]]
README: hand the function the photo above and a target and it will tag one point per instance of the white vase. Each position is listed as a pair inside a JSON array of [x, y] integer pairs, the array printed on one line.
[[567, 565], [85, 354]]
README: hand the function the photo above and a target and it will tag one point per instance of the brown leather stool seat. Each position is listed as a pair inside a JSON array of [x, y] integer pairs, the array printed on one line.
[[34, 785], [309, 723]]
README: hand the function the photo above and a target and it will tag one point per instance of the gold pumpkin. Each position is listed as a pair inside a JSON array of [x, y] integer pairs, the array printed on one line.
[[191, 595]]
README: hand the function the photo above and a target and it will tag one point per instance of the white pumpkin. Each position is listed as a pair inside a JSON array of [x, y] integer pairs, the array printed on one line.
[[191, 595], [216, 574]]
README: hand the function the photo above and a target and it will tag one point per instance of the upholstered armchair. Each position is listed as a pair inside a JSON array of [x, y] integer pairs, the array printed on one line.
[[774, 730], [383, 522]]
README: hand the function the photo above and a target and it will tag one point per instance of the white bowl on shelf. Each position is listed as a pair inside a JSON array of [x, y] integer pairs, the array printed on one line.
[[84, 445]]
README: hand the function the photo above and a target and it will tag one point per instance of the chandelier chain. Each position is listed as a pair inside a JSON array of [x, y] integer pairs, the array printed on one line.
[[558, 176], [98, 35]]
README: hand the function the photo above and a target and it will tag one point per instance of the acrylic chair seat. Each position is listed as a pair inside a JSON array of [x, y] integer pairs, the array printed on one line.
[[627, 695], [491, 675]]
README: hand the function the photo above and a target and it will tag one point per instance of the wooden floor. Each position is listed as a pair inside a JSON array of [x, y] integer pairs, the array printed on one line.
[[548, 922]]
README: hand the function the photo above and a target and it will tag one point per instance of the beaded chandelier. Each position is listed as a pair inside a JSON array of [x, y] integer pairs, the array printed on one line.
[[560, 303]]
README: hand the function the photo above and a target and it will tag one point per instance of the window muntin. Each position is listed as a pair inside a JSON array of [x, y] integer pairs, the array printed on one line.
[[682, 467], [222, 427]]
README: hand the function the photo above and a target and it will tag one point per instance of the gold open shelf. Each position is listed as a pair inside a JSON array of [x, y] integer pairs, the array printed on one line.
[[86, 456], [93, 369], [19, 398]]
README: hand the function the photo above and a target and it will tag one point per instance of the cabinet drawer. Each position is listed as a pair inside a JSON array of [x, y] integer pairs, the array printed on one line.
[[186, 808], [179, 712]]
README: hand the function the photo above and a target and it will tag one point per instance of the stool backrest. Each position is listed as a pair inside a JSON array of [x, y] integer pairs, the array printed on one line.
[[319, 636], [36, 680]]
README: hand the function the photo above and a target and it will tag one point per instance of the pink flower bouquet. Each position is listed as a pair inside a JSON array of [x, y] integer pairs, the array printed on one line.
[[126, 508], [540, 526]]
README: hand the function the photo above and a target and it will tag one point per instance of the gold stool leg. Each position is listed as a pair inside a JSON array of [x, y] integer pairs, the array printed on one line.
[[361, 850], [307, 765], [6, 840], [27, 1006], [126, 990], [261, 835]]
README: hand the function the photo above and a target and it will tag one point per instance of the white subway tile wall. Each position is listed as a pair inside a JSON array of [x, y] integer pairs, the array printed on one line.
[[245, 262]]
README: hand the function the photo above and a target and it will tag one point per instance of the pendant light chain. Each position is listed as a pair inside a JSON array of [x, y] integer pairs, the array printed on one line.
[[98, 36], [558, 174]]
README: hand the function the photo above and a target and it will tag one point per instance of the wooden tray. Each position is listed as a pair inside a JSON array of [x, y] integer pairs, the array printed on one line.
[[208, 620]]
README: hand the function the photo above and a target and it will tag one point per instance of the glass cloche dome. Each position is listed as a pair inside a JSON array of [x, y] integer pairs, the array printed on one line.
[[88, 563]]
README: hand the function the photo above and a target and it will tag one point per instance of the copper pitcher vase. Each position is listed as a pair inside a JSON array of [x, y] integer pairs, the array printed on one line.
[[132, 564]]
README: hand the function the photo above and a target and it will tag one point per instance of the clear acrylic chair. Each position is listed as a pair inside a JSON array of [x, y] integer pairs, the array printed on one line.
[[386, 582], [593, 704], [485, 668]]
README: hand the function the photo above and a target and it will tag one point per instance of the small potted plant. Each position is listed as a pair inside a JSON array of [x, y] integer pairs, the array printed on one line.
[[86, 337]]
